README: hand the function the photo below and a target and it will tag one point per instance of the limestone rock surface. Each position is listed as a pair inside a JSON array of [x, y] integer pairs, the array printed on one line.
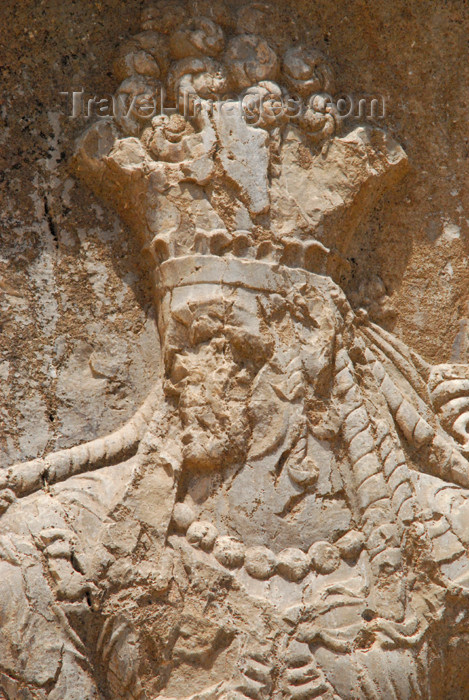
[[235, 385]]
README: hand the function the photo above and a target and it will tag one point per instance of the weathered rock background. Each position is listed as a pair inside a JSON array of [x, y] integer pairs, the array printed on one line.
[[78, 346]]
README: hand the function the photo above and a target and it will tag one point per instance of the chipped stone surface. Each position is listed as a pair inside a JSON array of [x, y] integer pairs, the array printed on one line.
[[226, 472]]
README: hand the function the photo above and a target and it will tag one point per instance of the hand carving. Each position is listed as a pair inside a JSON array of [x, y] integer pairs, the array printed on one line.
[[259, 527]]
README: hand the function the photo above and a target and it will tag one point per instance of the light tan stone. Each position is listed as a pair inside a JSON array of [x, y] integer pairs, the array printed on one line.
[[163, 555]]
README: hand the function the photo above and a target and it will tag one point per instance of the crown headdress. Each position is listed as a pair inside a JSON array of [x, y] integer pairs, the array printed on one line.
[[204, 184]]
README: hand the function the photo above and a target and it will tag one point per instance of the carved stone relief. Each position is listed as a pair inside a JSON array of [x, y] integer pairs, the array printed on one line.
[[286, 516]]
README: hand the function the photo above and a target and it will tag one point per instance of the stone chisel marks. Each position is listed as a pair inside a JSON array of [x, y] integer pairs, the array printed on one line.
[[286, 514]]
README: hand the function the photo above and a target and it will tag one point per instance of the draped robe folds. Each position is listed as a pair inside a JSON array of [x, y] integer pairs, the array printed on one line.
[[104, 592]]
